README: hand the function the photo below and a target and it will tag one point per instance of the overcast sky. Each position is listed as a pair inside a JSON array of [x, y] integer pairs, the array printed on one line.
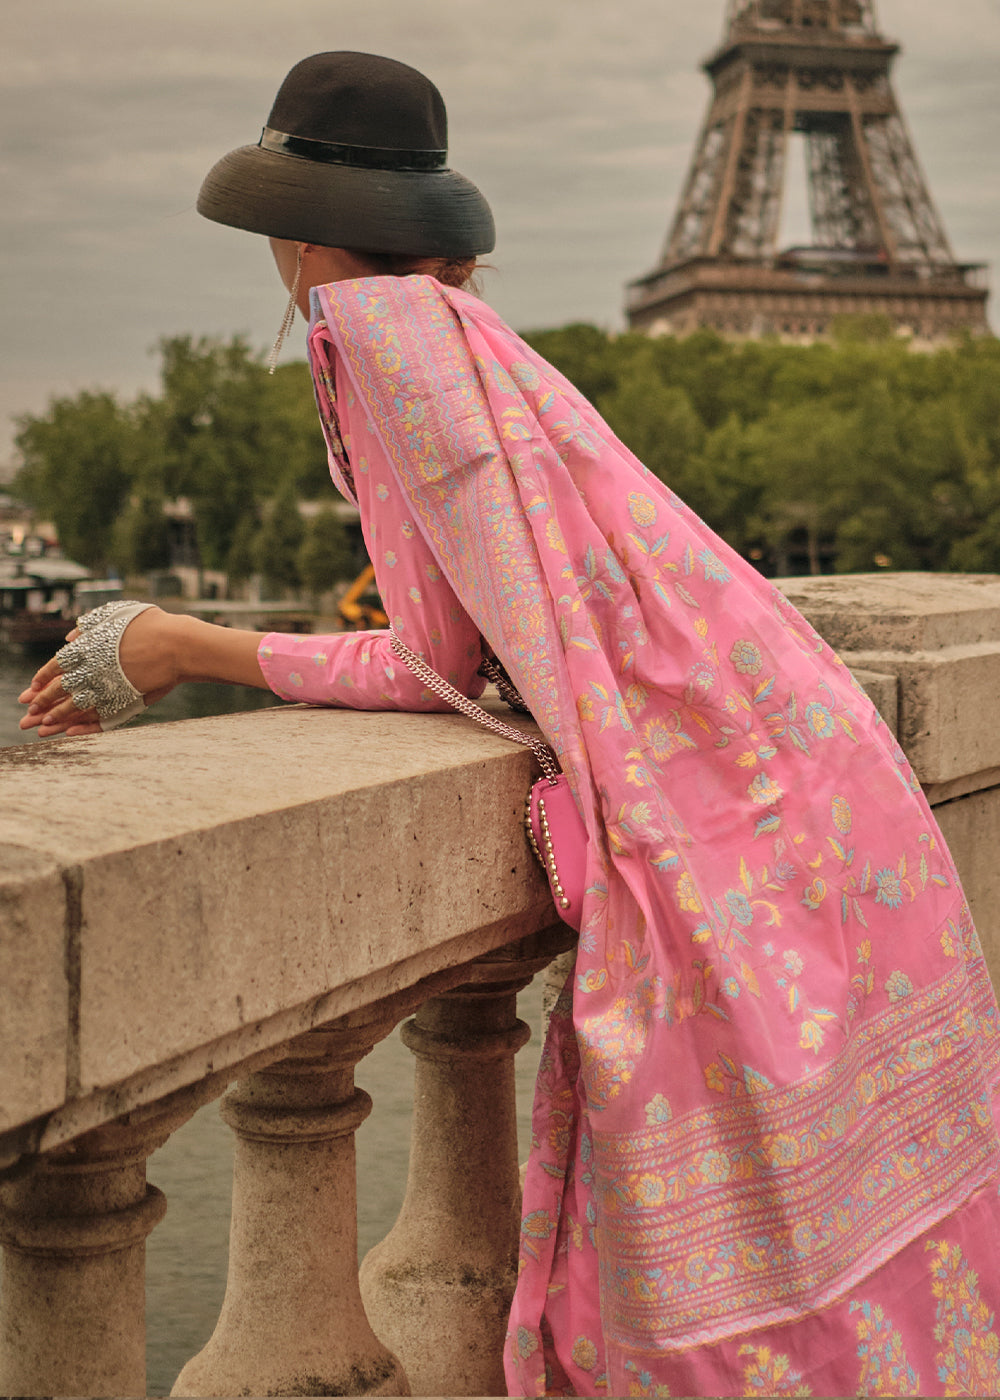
[[576, 119]]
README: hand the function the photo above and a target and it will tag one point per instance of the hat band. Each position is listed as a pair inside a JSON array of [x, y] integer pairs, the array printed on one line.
[[332, 153]]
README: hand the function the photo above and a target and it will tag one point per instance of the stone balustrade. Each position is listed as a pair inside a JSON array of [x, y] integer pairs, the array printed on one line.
[[249, 904]]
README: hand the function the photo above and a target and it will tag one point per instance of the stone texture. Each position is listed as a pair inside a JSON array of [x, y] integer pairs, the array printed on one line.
[[939, 635], [74, 1227], [438, 1288], [899, 612], [230, 868], [882, 690], [292, 1322], [971, 826], [943, 699], [36, 961]]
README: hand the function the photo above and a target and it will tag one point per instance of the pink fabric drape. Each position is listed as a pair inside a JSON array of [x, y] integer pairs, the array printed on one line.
[[765, 1157]]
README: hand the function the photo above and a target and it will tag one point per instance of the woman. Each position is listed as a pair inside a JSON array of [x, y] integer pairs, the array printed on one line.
[[765, 1155]]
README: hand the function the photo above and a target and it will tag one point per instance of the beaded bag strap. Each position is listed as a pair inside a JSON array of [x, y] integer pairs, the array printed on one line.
[[439, 686]]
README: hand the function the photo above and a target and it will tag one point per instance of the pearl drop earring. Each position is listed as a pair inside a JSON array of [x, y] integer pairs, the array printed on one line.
[[287, 320]]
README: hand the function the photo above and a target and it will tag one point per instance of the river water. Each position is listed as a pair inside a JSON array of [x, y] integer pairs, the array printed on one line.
[[187, 1253]]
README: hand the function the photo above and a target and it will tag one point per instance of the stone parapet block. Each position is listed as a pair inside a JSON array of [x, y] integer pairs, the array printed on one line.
[[939, 636], [899, 612], [39, 958], [971, 827], [945, 701], [180, 897]]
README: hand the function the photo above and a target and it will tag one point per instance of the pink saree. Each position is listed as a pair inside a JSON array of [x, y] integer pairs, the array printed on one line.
[[765, 1157]]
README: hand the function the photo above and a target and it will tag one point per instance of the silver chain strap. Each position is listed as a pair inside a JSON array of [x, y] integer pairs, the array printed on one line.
[[439, 686]]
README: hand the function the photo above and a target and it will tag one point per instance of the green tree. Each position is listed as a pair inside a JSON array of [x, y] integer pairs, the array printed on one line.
[[276, 548], [140, 540], [325, 556], [78, 462], [233, 436], [241, 561]]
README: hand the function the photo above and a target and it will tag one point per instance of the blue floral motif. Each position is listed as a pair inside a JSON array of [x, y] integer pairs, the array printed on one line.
[[820, 721], [713, 566], [890, 890], [740, 907], [898, 987]]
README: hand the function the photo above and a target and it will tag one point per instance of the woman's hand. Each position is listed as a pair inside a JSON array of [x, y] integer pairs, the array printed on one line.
[[149, 655]]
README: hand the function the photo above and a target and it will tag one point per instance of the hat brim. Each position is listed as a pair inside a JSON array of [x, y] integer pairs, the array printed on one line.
[[426, 213]]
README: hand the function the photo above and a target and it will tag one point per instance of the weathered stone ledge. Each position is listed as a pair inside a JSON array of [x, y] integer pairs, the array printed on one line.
[[177, 900]]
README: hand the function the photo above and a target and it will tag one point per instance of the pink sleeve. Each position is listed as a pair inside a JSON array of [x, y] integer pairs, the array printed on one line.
[[358, 670]]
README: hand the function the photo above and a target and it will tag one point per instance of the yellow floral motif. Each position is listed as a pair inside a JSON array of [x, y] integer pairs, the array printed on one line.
[[554, 536], [764, 790], [665, 737], [782, 1149], [584, 1353], [585, 707], [969, 1359], [650, 1190], [746, 658], [636, 698], [641, 1383], [687, 896], [768, 1373], [642, 509], [658, 1110], [843, 818], [885, 1370]]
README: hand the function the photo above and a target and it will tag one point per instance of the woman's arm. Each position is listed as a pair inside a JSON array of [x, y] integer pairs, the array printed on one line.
[[158, 651], [358, 670]]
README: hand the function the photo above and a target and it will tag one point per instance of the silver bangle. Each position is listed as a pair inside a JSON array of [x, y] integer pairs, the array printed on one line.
[[92, 674]]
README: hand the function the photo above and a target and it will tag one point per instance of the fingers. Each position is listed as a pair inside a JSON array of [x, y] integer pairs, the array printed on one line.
[[44, 697], [62, 719]]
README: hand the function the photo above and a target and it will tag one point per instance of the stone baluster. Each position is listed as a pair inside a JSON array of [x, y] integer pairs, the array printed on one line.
[[438, 1287], [74, 1227], [292, 1322]]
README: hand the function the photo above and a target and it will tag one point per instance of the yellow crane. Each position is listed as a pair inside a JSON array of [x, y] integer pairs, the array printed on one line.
[[361, 607]]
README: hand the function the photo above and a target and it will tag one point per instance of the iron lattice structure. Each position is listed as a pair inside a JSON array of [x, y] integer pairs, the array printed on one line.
[[819, 68]]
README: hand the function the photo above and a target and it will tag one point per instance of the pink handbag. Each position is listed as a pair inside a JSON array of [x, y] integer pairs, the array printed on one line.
[[555, 829]]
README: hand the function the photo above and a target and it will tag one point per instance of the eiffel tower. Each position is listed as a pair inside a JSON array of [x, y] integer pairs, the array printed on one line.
[[820, 68]]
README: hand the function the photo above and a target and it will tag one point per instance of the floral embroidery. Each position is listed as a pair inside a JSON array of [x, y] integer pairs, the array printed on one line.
[[713, 566], [642, 510], [641, 1383], [842, 816], [764, 790], [665, 737], [969, 1359], [584, 1354], [751, 1250], [820, 721], [898, 986], [526, 1342], [830, 1113], [611, 1044], [767, 1373], [746, 659], [658, 1110], [890, 890]]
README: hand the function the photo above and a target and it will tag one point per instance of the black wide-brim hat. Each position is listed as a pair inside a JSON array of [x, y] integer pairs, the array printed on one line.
[[354, 155]]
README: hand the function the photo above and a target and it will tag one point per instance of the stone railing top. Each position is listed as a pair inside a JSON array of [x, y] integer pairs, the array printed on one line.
[[899, 612], [939, 636], [176, 898]]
